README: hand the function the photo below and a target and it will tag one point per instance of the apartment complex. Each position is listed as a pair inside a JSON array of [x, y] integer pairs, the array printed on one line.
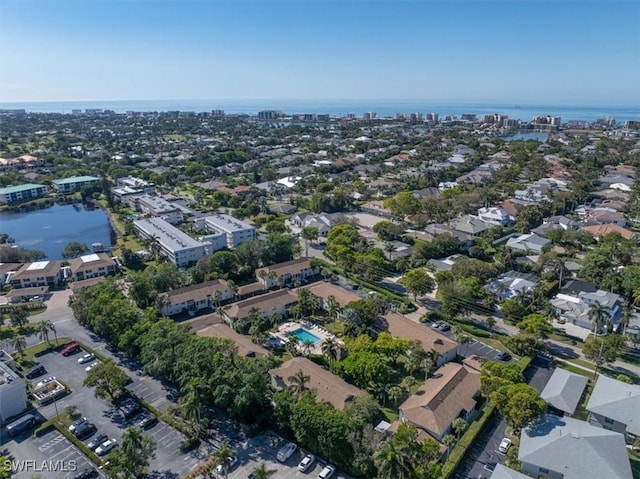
[[13, 392], [156, 206], [69, 185], [178, 247], [91, 266], [237, 231], [28, 191], [40, 273]]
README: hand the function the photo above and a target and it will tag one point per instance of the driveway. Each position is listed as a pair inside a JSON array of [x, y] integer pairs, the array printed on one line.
[[485, 449]]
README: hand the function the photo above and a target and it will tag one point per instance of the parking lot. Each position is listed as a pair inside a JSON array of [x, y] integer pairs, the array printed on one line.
[[264, 448], [169, 461]]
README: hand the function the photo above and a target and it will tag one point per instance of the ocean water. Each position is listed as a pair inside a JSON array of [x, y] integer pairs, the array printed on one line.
[[384, 108]]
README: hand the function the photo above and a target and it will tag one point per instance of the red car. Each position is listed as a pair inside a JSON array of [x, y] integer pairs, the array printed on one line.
[[70, 349]]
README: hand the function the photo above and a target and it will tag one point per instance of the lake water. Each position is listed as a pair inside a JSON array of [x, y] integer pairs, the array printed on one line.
[[51, 229], [531, 135]]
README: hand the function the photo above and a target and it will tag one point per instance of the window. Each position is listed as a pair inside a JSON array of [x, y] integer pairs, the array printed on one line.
[[608, 421], [544, 471]]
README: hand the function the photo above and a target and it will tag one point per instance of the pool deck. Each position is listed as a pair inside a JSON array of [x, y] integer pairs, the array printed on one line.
[[287, 328]]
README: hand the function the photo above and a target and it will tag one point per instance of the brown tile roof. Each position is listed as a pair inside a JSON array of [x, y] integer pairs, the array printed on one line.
[[250, 288], [599, 231], [264, 302], [289, 267], [20, 292], [85, 283], [402, 327], [196, 292], [77, 265], [245, 346], [6, 267], [329, 387], [50, 268], [323, 290], [442, 398]]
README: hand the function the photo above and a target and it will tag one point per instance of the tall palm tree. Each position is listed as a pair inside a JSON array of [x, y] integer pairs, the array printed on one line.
[[330, 349], [222, 456], [19, 343], [261, 471], [192, 406], [263, 274], [598, 315], [449, 441], [393, 461], [137, 449], [332, 307], [217, 295], [298, 382], [43, 331], [307, 344], [292, 345], [395, 393], [458, 426]]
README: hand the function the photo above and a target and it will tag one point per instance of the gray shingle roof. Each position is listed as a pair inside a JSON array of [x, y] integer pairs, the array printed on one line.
[[564, 390], [503, 472], [618, 401], [575, 449]]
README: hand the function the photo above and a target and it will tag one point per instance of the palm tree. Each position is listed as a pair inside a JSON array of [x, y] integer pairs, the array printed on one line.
[[263, 274], [393, 461], [330, 350], [307, 344], [154, 246], [223, 456], [19, 343], [192, 406], [627, 314], [458, 426], [332, 307], [464, 340], [598, 315], [449, 441], [137, 449], [261, 471], [407, 383], [216, 298], [428, 365], [389, 248], [298, 382], [273, 276], [43, 331], [292, 345], [395, 393]]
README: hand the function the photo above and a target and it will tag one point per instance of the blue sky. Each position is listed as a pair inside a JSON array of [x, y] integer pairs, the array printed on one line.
[[569, 52]]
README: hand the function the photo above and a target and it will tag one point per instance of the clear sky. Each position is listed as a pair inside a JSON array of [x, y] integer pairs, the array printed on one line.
[[569, 52]]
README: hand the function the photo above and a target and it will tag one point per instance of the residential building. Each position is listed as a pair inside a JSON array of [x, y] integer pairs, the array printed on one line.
[[511, 283], [137, 184], [327, 386], [69, 185], [573, 305], [402, 327], [615, 405], [158, 207], [27, 191], [6, 271], [323, 291], [495, 216], [564, 391], [528, 242], [178, 247], [599, 231], [469, 224], [91, 266], [554, 223], [13, 391], [565, 448], [287, 273], [246, 347], [452, 392], [274, 302], [237, 231], [322, 221], [531, 195], [40, 273], [195, 297]]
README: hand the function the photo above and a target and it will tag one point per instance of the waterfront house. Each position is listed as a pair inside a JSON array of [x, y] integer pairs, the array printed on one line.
[[71, 184], [40, 273], [27, 191]]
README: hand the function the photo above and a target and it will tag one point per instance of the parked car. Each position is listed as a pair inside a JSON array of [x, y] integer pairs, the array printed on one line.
[[504, 446], [306, 463], [286, 451], [35, 371], [77, 424], [45, 381], [97, 441], [231, 461], [104, 448], [86, 358], [91, 366], [444, 327], [85, 430], [130, 408], [436, 324], [327, 472], [69, 349], [503, 356], [88, 473], [148, 422]]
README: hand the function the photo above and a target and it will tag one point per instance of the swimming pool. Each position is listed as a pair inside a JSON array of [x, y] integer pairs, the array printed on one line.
[[304, 335]]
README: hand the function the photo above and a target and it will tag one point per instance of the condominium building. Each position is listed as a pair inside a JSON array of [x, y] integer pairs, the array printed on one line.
[[68, 185], [40, 273], [28, 191], [156, 206], [178, 247], [237, 231], [136, 183], [13, 392]]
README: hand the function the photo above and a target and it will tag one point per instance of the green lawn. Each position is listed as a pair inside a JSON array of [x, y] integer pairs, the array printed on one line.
[[635, 466]]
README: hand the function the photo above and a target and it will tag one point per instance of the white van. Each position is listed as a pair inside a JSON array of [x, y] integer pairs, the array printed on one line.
[[286, 451]]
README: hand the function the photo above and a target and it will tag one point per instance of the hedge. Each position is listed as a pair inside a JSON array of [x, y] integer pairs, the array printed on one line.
[[44, 428], [79, 444], [162, 416], [467, 440]]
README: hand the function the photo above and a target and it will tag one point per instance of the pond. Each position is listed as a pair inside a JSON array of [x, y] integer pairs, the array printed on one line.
[[51, 229], [530, 135]]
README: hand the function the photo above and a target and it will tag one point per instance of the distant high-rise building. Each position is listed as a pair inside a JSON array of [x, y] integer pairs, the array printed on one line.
[[268, 115], [351, 116], [217, 112], [633, 124], [488, 119], [370, 115], [555, 121], [469, 117]]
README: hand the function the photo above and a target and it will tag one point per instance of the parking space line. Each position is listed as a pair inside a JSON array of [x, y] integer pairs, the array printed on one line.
[[51, 443], [70, 446]]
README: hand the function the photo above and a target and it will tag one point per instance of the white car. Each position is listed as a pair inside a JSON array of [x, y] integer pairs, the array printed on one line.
[[86, 358], [286, 451], [91, 366], [327, 472], [231, 462], [504, 446], [106, 446], [306, 463], [45, 381]]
